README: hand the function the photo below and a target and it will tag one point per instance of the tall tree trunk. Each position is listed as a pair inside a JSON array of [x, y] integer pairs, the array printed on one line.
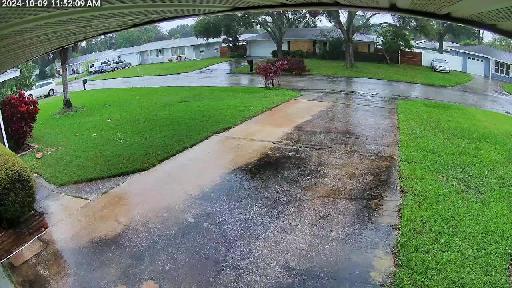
[[349, 52], [64, 57], [440, 40], [279, 48]]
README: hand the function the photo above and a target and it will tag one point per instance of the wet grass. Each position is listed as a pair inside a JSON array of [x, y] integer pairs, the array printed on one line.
[[392, 72], [160, 69], [507, 88], [122, 131], [456, 219]]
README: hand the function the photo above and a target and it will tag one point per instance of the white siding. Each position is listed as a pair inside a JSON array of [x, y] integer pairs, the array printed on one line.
[[455, 62], [262, 48], [209, 50], [189, 52], [133, 58]]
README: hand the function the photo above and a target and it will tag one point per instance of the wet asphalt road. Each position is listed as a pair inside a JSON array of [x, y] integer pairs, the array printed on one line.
[[480, 92], [304, 195]]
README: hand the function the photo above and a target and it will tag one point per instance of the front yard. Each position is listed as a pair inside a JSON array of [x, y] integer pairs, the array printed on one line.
[[160, 69], [401, 73], [121, 131], [456, 218]]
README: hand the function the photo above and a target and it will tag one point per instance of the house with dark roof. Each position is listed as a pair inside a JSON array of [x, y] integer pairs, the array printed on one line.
[[485, 61], [310, 40]]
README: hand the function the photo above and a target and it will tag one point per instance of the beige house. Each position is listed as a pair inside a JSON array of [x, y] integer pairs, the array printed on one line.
[[310, 40]]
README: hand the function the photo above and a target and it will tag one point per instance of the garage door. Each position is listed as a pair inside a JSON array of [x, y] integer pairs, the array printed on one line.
[[476, 66]]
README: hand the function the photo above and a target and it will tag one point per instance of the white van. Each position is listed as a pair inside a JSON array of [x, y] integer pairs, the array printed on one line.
[[94, 67]]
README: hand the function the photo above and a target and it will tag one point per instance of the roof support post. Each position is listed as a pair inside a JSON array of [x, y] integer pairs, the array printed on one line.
[[4, 137]]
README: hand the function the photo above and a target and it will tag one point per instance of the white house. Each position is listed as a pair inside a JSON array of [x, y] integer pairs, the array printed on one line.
[[161, 51], [309, 40], [154, 52]]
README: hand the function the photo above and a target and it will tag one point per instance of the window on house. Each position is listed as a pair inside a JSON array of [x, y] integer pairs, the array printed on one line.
[[159, 52], [174, 51], [502, 68]]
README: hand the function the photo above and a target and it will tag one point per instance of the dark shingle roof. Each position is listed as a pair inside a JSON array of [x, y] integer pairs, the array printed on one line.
[[314, 34], [487, 51]]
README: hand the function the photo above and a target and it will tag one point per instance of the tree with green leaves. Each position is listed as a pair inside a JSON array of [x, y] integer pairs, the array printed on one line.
[[138, 36], [276, 23], [25, 81], [231, 26], [181, 31], [349, 23], [438, 31], [501, 43], [393, 39]]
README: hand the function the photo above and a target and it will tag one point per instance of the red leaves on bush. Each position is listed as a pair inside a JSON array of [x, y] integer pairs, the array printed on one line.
[[295, 66], [19, 115], [271, 71]]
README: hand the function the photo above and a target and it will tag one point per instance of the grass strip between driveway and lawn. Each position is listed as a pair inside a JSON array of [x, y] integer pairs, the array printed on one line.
[[456, 215], [508, 88], [392, 72], [160, 69], [122, 131]]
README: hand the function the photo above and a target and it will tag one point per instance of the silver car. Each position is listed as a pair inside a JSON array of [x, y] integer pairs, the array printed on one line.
[[440, 65]]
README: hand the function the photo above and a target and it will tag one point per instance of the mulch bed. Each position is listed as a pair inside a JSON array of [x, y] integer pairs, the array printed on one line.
[[11, 240]]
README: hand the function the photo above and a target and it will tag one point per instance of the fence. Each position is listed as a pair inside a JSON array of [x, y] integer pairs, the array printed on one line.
[[410, 57]]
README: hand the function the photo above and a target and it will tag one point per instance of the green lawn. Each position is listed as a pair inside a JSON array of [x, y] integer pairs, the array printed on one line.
[[121, 131], [456, 217], [507, 88], [160, 69], [401, 73]]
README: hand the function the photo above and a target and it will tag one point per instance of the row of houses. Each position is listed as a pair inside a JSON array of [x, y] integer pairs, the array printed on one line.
[[479, 60]]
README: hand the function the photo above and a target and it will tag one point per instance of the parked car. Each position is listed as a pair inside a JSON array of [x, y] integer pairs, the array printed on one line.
[[106, 66], [42, 89], [440, 65], [120, 64], [94, 67]]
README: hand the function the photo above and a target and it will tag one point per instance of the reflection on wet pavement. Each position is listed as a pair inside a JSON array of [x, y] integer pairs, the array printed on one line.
[[303, 195], [478, 93]]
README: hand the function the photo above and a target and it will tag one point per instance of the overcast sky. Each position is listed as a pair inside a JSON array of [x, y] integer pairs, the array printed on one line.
[[380, 18]]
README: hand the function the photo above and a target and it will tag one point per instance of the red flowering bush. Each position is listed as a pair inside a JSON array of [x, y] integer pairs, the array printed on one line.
[[271, 71], [19, 115], [295, 66]]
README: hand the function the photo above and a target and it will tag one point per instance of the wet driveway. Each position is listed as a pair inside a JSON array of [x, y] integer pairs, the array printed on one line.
[[304, 195]]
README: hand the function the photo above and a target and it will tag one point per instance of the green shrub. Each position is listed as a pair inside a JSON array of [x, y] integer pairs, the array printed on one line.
[[17, 189]]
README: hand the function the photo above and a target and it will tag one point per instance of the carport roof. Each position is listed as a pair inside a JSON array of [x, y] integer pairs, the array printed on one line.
[[29, 32]]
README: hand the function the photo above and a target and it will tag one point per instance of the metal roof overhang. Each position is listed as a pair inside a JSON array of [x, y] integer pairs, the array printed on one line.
[[26, 33]]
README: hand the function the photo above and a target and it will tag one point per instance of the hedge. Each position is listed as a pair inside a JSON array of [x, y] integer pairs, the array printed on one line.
[[17, 189]]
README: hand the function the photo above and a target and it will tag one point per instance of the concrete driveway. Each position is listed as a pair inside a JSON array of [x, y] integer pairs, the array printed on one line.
[[304, 195]]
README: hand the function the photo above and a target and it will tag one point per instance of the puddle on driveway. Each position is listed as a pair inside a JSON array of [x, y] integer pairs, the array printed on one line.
[[303, 195]]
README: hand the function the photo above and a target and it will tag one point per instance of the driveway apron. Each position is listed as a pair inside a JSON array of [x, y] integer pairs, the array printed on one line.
[[304, 195]]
